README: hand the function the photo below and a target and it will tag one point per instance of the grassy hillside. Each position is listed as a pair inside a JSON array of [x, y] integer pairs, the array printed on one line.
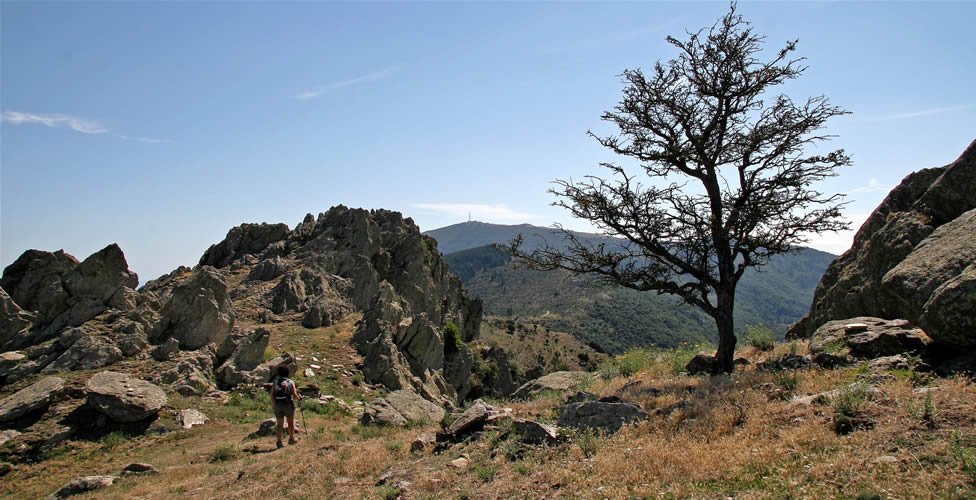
[[616, 319]]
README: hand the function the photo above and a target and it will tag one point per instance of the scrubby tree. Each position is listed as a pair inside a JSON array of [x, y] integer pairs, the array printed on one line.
[[727, 175]]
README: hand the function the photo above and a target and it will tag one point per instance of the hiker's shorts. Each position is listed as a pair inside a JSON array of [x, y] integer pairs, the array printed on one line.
[[284, 409]]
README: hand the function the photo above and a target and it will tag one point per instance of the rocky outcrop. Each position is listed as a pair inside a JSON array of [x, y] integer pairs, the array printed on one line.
[[198, 313], [911, 259], [607, 415], [246, 239], [124, 398], [400, 408], [869, 338], [555, 381], [246, 356], [82, 485], [14, 321], [33, 398]]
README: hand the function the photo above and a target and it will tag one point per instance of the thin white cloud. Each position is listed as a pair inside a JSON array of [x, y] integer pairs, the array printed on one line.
[[54, 121], [840, 241], [873, 186], [148, 140], [478, 211], [77, 124], [916, 114], [328, 87]]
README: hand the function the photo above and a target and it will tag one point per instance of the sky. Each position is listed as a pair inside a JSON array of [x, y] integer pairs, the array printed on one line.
[[161, 125]]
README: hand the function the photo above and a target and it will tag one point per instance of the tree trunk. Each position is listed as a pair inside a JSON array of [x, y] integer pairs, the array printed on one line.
[[726, 334]]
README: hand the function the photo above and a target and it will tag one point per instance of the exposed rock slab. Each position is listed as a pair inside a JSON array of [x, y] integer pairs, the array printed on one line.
[[83, 485], [532, 432], [868, 337], [33, 398], [400, 408], [607, 417], [123, 398], [555, 381], [190, 417]]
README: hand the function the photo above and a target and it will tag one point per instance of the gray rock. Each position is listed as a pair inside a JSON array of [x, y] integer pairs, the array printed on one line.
[[101, 276], [910, 259], [34, 282], [139, 469], [123, 398], [829, 360], [532, 432], [555, 381], [33, 398], [166, 350], [83, 485], [243, 240], [189, 417], [14, 321], [887, 363], [607, 417], [400, 408], [867, 337], [199, 312], [246, 357], [472, 419], [325, 312], [267, 270], [7, 435], [423, 443], [266, 371], [85, 353], [9, 361], [193, 373], [702, 364]]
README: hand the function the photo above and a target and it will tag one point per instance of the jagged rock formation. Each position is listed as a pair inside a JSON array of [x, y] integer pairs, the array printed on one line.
[[914, 259], [58, 314], [67, 315]]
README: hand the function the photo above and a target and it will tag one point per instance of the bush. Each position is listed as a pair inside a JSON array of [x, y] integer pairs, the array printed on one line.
[[759, 337], [848, 405], [486, 472], [589, 442], [223, 453], [112, 440], [635, 361], [787, 383], [452, 335]]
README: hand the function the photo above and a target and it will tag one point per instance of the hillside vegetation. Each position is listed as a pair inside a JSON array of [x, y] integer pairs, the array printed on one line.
[[615, 319]]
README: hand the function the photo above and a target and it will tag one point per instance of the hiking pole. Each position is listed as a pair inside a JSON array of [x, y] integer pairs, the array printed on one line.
[[302, 411]]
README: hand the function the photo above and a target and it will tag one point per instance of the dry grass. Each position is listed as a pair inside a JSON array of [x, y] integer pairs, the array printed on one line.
[[734, 436]]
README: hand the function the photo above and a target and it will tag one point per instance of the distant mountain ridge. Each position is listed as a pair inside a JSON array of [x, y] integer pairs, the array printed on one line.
[[614, 318]]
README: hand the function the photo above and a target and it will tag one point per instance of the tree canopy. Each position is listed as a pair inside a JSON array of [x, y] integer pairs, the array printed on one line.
[[731, 178]]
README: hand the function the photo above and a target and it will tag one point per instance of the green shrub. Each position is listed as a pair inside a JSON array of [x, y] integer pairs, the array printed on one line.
[[521, 468], [965, 455], [389, 492], [787, 382], [760, 337], [223, 453], [112, 440], [486, 472], [452, 335], [608, 370], [635, 361], [589, 441]]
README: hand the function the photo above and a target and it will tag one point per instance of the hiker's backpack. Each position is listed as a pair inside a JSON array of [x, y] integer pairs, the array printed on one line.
[[282, 389]]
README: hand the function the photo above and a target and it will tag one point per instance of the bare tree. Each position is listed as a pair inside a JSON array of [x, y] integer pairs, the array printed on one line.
[[730, 176]]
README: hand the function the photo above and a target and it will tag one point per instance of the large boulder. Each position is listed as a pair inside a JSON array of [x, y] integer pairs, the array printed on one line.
[[14, 321], [99, 277], [199, 312], [82, 485], [605, 416], [33, 398], [555, 381], [401, 408], [34, 282], [243, 240], [246, 356], [124, 398], [867, 337], [911, 259]]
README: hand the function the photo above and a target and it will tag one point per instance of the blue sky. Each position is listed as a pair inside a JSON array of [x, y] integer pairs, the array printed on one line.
[[161, 125]]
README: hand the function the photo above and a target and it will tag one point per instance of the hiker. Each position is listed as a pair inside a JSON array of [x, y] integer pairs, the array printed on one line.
[[283, 397]]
